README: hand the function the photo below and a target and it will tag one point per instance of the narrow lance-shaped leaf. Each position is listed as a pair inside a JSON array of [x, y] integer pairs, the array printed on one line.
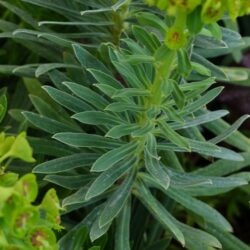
[[152, 162], [97, 118], [211, 185], [184, 64], [224, 167], [177, 93], [198, 207], [67, 241], [204, 148], [227, 240], [45, 68], [110, 158], [57, 40], [96, 231], [205, 99], [123, 228], [106, 89], [174, 137], [230, 130], [122, 130], [87, 95], [86, 140], [66, 100], [130, 92], [144, 38], [70, 182], [44, 108], [77, 199], [219, 185], [125, 69], [147, 18], [216, 71], [235, 139], [66, 163], [104, 78], [50, 147], [175, 181], [124, 106], [208, 117], [197, 239], [159, 212], [209, 42], [47, 124], [200, 69], [108, 178], [87, 60], [199, 84], [117, 200]]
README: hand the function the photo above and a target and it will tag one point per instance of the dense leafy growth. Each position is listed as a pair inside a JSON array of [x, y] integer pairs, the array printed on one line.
[[119, 95]]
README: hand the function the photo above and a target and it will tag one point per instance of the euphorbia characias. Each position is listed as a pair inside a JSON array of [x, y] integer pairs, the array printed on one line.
[[210, 11], [24, 226], [124, 117]]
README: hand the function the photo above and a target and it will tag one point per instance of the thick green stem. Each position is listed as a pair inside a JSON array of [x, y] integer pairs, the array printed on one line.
[[163, 71]]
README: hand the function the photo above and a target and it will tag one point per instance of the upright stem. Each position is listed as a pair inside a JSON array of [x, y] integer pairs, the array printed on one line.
[[163, 70], [118, 17]]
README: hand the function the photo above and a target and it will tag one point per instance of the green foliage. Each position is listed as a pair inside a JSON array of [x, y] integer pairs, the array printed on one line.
[[24, 225], [3, 106], [18, 147], [124, 117], [12, 147]]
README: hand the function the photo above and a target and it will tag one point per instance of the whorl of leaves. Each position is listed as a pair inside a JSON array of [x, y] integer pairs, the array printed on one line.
[[121, 117]]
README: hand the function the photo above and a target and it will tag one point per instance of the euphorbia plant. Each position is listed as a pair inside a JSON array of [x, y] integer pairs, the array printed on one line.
[[24, 225], [137, 112], [191, 15]]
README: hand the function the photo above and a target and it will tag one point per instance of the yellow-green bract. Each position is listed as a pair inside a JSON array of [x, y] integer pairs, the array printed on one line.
[[208, 11]]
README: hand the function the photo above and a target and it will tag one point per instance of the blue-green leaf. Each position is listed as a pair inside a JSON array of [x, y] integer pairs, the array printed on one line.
[[123, 228], [121, 130], [110, 158], [87, 95], [107, 178], [159, 212], [87, 60], [152, 162], [47, 124], [71, 182], [66, 100], [86, 140], [117, 200], [174, 137], [97, 118], [66, 163], [198, 207]]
